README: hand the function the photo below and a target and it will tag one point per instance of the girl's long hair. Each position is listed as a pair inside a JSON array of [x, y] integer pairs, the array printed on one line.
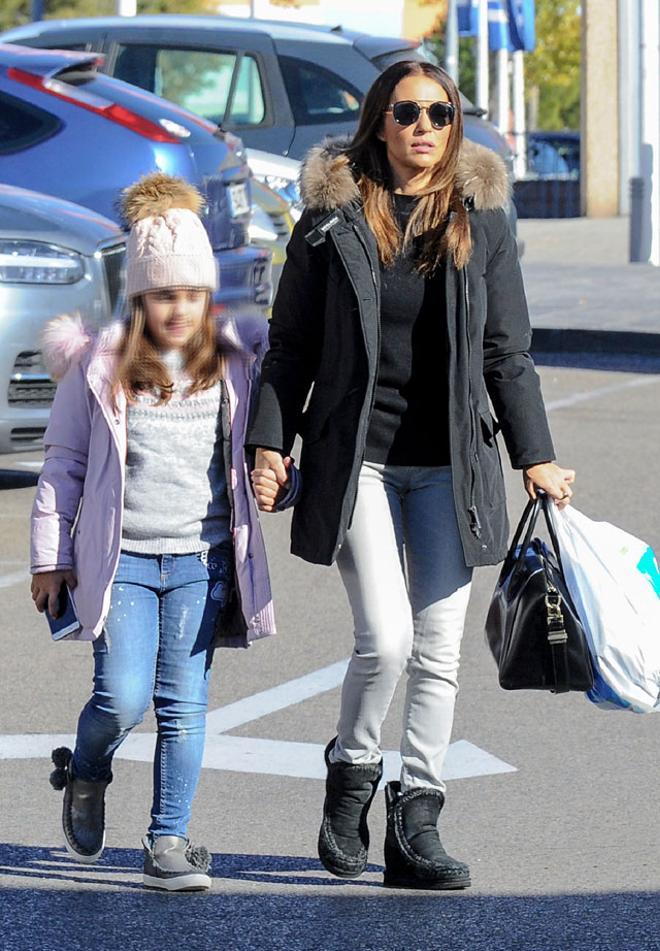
[[442, 200], [140, 368]]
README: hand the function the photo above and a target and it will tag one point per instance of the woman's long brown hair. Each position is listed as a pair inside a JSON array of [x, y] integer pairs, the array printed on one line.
[[140, 368], [440, 215]]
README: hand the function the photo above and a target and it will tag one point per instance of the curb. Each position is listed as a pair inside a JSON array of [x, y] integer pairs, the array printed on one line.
[[617, 342]]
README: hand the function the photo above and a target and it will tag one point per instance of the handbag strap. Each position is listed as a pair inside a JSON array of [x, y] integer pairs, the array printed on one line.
[[548, 509], [526, 524], [557, 637]]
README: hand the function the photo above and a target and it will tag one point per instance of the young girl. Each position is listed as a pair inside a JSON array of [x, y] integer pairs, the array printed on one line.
[[402, 301], [144, 509]]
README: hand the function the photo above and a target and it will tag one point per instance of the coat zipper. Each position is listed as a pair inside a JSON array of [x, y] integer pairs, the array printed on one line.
[[372, 397], [345, 523], [225, 416], [475, 523]]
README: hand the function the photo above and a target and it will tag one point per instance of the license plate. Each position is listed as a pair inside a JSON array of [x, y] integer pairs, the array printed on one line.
[[239, 201]]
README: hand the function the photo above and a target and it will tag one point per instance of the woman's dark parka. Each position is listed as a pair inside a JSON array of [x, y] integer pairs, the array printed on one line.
[[325, 330]]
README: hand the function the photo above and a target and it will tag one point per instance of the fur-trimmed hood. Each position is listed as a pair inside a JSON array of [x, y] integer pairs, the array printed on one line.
[[65, 339], [326, 180]]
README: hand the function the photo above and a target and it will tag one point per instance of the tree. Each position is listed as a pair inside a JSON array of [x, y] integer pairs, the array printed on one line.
[[552, 71]]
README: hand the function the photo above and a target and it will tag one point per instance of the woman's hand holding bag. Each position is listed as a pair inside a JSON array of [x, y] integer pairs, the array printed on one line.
[[552, 479]]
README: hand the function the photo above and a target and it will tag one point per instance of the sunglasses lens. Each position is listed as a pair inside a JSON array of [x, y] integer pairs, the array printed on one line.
[[405, 113], [441, 114]]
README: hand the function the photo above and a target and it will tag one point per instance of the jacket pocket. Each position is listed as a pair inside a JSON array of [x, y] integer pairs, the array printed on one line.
[[489, 425], [321, 411], [491, 477]]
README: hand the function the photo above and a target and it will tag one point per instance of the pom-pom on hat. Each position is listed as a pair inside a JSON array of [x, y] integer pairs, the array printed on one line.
[[167, 245]]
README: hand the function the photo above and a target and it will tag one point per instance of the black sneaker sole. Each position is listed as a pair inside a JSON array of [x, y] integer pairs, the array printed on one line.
[[392, 881], [187, 882]]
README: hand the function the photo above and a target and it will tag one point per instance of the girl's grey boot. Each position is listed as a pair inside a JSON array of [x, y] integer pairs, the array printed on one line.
[[414, 854], [344, 836], [173, 864], [83, 809]]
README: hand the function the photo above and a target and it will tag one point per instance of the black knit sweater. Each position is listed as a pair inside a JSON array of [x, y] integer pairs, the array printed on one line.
[[409, 425]]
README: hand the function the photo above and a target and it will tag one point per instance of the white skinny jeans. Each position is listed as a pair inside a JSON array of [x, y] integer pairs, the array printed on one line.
[[406, 616]]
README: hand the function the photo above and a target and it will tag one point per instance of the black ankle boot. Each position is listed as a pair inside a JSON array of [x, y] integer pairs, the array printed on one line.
[[344, 836], [414, 855], [83, 810]]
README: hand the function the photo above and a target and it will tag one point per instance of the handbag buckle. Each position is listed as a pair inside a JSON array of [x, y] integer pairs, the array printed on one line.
[[556, 631]]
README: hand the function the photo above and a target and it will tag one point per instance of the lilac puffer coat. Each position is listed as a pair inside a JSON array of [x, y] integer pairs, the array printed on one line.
[[77, 512]]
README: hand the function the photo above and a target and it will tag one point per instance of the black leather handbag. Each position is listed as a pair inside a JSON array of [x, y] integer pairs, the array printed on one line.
[[532, 627]]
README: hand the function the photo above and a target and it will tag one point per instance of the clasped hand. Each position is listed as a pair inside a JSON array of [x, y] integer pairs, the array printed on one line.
[[270, 478]]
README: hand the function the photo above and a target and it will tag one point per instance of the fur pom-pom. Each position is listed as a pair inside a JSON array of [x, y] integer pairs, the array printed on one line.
[[61, 758], [63, 341], [156, 194]]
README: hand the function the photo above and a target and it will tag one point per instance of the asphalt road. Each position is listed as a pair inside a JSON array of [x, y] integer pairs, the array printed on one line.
[[559, 820]]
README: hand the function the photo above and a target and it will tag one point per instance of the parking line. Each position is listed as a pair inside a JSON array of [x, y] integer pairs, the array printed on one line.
[[246, 754], [14, 577], [576, 398], [276, 698]]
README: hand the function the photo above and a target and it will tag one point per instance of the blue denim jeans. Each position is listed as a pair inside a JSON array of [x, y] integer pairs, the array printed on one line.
[[156, 645]]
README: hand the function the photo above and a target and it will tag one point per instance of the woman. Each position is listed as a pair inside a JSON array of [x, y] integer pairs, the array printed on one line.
[[144, 507], [402, 302]]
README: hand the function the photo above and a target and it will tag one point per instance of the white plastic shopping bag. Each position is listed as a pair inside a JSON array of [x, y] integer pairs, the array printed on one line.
[[614, 581]]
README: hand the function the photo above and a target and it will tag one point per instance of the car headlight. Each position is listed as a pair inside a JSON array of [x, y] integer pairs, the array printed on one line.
[[34, 262], [287, 188]]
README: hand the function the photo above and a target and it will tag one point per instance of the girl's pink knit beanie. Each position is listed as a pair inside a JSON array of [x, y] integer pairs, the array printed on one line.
[[167, 245]]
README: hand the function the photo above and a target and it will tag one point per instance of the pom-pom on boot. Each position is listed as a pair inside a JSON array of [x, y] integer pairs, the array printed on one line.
[[83, 809], [344, 836], [414, 854]]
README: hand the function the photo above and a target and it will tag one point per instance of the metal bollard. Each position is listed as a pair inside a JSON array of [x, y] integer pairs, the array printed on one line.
[[636, 239]]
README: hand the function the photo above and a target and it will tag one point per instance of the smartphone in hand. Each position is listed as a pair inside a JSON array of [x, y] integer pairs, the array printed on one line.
[[66, 623]]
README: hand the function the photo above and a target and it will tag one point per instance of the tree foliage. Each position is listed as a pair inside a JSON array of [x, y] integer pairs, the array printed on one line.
[[554, 67]]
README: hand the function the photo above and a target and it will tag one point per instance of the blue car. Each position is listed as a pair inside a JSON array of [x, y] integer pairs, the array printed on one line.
[[70, 131]]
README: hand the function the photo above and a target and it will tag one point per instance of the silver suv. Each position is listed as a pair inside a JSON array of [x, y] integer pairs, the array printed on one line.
[[55, 258]]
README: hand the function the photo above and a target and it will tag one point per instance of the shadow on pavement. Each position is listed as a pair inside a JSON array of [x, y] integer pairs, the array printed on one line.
[[45, 914], [584, 360], [17, 479]]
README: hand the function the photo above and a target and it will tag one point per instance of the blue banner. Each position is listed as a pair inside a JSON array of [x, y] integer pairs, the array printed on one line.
[[468, 17], [498, 26], [521, 15], [510, 23]]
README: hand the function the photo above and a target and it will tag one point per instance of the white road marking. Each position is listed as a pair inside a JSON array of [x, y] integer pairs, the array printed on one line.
[[31, 464], [14, 577], [576, 398], [277, 698], [246, 754]]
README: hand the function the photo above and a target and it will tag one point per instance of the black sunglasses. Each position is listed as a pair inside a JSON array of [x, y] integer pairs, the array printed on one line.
[[407, 112]]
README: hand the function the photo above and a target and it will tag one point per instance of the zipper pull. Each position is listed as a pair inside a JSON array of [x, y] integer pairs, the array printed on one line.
[[475, 524]]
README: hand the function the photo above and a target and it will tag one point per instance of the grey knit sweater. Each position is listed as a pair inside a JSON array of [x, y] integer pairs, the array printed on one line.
[[175, 495]]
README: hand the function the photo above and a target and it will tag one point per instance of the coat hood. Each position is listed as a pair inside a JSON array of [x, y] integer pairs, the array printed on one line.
[[327, 182], [66, 339]]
